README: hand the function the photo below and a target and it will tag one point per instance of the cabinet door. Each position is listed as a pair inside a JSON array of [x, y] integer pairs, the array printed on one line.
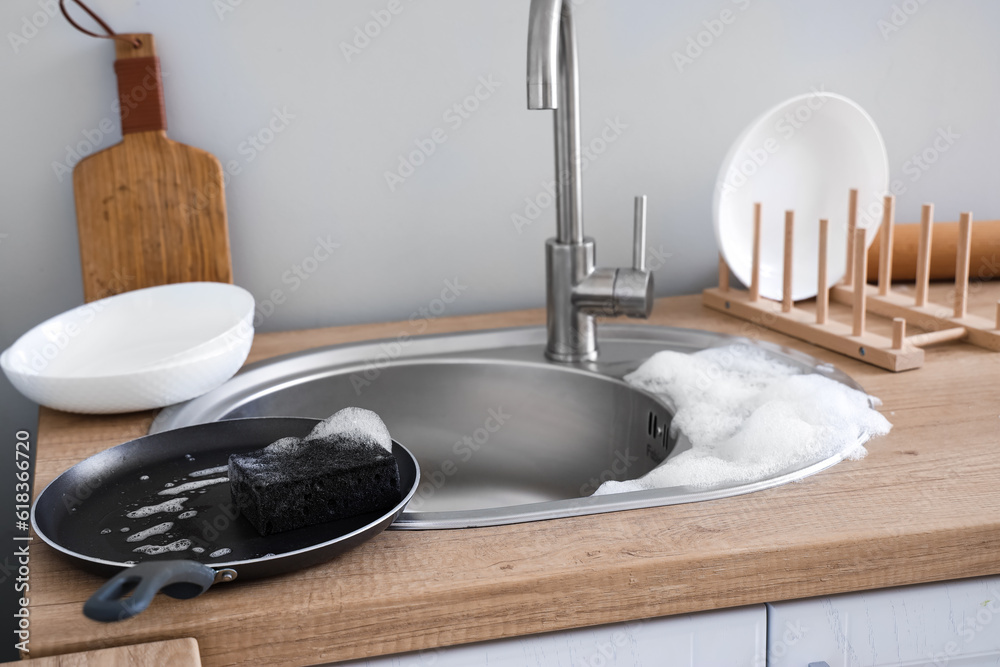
[[955, 623], [727, 638]]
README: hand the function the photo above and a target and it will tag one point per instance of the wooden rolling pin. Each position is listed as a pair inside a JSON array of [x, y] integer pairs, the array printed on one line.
[[985, 256]]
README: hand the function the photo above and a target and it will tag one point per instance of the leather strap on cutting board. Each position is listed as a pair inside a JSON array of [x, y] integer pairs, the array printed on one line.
[[150, 211], [140, 94]]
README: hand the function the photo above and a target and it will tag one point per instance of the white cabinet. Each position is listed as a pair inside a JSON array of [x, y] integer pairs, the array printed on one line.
[[726, 638], [955, 623], [949, 624]]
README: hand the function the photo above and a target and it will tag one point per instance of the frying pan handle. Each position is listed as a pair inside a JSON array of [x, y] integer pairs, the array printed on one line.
[[181, 579]]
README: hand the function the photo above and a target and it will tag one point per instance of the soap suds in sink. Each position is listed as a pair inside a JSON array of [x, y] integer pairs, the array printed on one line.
[[749, 417]]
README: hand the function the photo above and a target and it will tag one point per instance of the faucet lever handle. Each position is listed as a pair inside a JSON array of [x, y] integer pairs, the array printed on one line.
[[639, 235]]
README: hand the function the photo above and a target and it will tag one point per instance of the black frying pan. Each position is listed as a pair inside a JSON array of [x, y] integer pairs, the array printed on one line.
[[82, 513]]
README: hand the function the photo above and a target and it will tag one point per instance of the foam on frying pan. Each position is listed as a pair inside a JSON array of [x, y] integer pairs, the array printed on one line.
[[208, 471], [749, 416], [172, 490], [155, 549], [172, 505], [158, 529]]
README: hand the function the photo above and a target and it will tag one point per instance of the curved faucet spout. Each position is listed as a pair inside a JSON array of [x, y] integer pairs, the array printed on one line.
[[553, 83], [543, 54]]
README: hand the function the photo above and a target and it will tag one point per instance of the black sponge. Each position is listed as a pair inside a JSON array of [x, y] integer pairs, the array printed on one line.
[[294, 483]]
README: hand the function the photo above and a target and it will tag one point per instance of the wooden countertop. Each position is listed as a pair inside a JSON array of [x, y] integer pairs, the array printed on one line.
[[923, 506]]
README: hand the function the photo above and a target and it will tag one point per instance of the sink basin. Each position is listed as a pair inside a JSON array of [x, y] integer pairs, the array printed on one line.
[[502, 435]]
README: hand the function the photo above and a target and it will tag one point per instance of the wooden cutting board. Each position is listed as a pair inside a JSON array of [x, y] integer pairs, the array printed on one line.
[[173, 652], [150, 211]]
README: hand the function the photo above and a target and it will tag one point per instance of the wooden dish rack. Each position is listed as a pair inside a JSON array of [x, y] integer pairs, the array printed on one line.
[[898, 353]]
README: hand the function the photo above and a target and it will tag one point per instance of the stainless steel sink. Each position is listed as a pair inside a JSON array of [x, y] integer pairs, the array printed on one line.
[[502, 434]]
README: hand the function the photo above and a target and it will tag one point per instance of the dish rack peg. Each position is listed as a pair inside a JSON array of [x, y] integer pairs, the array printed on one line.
[[924, 254], [885, 251], [898, 333], [852, 224], [860, 291], [822, 290], [755, 265], [962, 265], [789, 252]]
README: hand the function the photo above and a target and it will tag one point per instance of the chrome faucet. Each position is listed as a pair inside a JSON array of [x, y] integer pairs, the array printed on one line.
[[576, 291]]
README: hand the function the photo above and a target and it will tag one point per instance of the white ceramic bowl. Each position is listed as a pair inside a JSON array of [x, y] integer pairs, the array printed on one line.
[[135, 351], [804, 155]]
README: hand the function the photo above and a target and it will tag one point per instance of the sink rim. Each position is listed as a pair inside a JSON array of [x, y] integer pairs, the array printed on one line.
[[491, 346]]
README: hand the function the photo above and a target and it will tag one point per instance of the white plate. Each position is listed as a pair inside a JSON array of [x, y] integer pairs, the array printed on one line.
[[135, 351], [803, 155]]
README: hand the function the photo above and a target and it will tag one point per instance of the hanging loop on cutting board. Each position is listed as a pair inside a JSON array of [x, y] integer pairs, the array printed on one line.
[[111, 34], [140, 86]]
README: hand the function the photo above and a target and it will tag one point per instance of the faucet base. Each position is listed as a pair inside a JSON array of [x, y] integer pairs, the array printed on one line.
[[570, 358], [572, 332]]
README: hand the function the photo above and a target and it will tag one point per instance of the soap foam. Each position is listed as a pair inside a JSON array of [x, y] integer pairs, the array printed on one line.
[[208, 471], [174, 505], [191, 486], [748, 417], [154, 549], [355, 424], [158, 529]]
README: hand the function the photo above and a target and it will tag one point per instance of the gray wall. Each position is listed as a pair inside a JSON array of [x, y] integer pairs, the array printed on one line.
[[323, 175]]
